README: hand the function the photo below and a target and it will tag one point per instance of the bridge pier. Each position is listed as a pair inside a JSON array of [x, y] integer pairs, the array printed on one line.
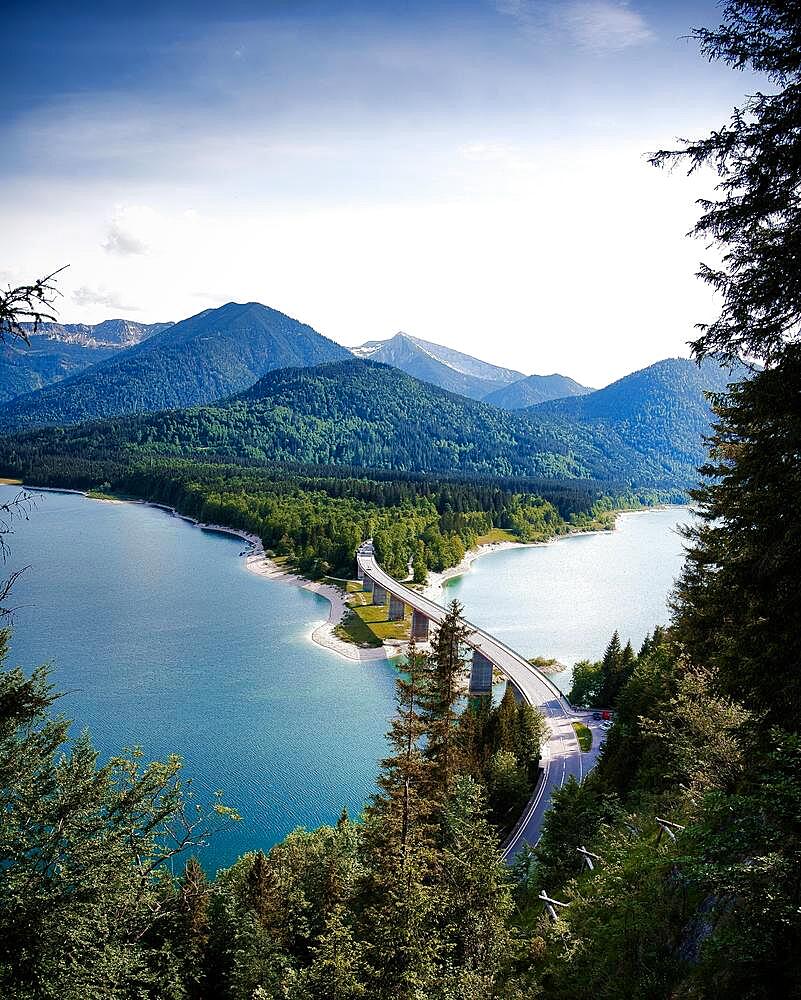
[[368, 584], [379, 594], [419, 625], [359, 574], [480, 674], [397, 609]]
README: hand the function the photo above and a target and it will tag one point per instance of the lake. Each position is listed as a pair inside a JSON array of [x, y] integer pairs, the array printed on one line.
[[161, 638], [564, 599]]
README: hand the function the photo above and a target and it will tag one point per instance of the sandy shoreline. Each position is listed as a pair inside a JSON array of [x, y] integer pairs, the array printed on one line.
[[434, 589], [258, 563]]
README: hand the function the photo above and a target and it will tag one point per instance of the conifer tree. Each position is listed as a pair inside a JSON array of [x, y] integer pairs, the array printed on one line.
[[476, 900], [191, 928], [337, 968], [506, 736], [532, 731], [441, 719], [737, 599], [399, 817], [612, 672], [399, 919]]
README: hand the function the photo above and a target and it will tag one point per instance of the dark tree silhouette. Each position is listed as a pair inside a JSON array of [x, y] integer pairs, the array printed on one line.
[[28, 304], [756, 216]]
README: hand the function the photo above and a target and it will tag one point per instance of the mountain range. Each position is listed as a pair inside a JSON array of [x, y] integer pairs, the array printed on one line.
[[360, 413], [211, 355], [535, 389], [247, 383], [464, 374], [55, 352], [113, 333]]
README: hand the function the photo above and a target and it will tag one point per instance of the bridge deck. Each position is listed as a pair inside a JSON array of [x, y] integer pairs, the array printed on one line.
[[561, 756]]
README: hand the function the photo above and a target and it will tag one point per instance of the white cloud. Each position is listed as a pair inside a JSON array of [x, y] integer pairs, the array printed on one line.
[[85, 296], [132, 230], [599, 26]]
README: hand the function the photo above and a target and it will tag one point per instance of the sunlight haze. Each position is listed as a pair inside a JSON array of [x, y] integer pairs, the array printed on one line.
[[471, 174]]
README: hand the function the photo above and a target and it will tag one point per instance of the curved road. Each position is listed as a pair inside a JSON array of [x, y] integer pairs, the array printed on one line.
[[561, 756]]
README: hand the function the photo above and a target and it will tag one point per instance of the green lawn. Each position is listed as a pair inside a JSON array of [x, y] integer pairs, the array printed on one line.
[[367, 624], [584, 736]]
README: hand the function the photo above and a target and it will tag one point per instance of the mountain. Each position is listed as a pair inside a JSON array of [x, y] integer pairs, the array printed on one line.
[[44, 361], [661, 411], [211, 355], [438, 365], [57, 351], [359, 413], [114, 333], [535, 389]]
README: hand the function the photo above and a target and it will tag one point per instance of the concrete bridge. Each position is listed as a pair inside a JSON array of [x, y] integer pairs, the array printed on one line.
[[561, 756]]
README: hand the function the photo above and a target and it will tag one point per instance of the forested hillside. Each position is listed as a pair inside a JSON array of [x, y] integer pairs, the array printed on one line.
[[28, 367], [316, 517], [661, 411], [208, 356], [52, 352], [372, 416]]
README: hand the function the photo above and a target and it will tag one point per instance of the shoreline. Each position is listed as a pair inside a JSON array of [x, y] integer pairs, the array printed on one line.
[[323, 634], [257, 562], [434, 589]]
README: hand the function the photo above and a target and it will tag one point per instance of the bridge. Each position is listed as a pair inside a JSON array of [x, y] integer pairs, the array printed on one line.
[[561, 755]]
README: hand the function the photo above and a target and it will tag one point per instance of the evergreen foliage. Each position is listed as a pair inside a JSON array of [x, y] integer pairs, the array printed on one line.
[[643, 432]]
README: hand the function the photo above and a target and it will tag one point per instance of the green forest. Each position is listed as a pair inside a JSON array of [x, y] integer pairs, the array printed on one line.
[[644, 432], [317, 517]]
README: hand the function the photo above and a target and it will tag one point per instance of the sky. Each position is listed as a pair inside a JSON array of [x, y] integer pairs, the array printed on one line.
[[471, 173]]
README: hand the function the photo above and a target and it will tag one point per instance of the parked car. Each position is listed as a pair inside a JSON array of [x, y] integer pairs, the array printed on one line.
[[596, 716]]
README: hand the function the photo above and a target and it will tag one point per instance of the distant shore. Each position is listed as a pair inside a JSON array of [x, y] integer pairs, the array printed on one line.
[[258, 563], [434, 589]]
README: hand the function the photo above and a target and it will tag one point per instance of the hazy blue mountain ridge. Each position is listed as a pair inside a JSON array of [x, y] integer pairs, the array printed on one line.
[[535, 389], [57, 351], [118, 333]]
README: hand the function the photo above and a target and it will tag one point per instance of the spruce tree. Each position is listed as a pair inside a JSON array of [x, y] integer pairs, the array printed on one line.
[[399, 916], [737, 600], [441, 719], [611, 672], [190, 932], [337, 968], [476, 896]]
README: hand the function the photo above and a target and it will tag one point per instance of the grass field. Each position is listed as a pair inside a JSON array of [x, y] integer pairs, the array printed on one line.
[[367, 624], [495, 535]]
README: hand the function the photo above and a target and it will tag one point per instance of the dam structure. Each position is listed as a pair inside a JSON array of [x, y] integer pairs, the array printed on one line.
[[561, 755]]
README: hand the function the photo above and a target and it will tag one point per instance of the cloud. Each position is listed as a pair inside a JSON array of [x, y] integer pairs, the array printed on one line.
[[131, 231], [599, 26], [85, 296]]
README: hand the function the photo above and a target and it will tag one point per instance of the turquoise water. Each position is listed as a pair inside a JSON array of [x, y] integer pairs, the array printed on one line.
[[160, 637], [565, 599]]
